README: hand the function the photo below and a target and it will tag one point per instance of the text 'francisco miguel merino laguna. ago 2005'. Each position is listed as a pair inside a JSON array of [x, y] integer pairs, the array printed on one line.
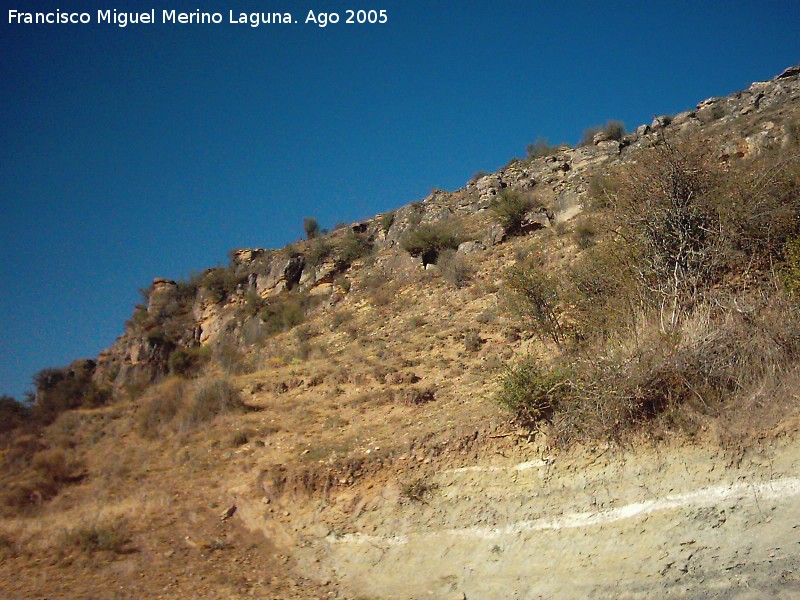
[[196, 17]]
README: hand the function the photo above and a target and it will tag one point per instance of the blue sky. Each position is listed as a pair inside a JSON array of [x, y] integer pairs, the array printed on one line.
[[152, 150]]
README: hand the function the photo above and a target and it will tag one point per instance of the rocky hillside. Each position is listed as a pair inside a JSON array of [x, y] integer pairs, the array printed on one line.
[[446, 380], [214, 305]]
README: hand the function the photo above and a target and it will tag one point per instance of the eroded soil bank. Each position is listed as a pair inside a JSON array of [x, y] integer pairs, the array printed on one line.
[[659, 521]]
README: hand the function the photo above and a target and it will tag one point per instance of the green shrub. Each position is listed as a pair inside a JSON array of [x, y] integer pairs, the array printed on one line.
[[510, 208], [387, 220], [63, 389], [601, 187], [429, 240], [350, 248], [318, 251], [311, 227], [532, 393], [584, 234], [12, 413], [284, 312], [343, 283], [188, 362]]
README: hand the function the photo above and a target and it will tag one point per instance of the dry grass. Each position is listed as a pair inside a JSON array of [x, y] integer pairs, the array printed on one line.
[[177, 405], [98, 536]]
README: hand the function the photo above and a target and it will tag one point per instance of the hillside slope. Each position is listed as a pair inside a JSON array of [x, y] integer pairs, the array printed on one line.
[[323, 420]]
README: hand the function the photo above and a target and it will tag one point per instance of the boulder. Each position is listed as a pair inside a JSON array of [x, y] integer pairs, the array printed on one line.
[[610, 146], [534, 220], [495, 234], [471, 247], [790, 72]]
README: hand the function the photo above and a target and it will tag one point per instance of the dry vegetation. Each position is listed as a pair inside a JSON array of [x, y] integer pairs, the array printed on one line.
[[677, 315]]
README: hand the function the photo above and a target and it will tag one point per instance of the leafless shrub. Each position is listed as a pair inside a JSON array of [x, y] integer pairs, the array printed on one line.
[[473, 340], [533, 295]]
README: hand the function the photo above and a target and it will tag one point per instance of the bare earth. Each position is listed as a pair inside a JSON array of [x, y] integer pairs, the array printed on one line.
[[658, 522]]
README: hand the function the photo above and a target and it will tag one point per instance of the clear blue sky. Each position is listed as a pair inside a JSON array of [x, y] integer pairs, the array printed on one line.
[[152, 150]]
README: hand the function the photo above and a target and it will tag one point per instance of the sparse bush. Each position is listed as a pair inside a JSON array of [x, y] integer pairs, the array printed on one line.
[[540, 148], [240, 438], [378, 288], [793, 132], [284, 312], [584, 234], [167, 401], [387, 219], [612, 130], [319, 250], [479, 175], [228, 353], [711, 113], [341, 317], [534, 296], [350, 248], [455, 268], [418, 490], [57, 465], [600, 188], [473, 340], [510, 208], [179, 405], [187, 362], [486, 317], [211, 399], [108, 536], [790, 272], [343, 283], [533, 393], [311, 227], [670, 224], [221, 283], [428, 241], [8, 548]]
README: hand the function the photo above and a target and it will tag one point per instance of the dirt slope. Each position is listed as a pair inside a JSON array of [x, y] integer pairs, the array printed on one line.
[[656, 522]]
